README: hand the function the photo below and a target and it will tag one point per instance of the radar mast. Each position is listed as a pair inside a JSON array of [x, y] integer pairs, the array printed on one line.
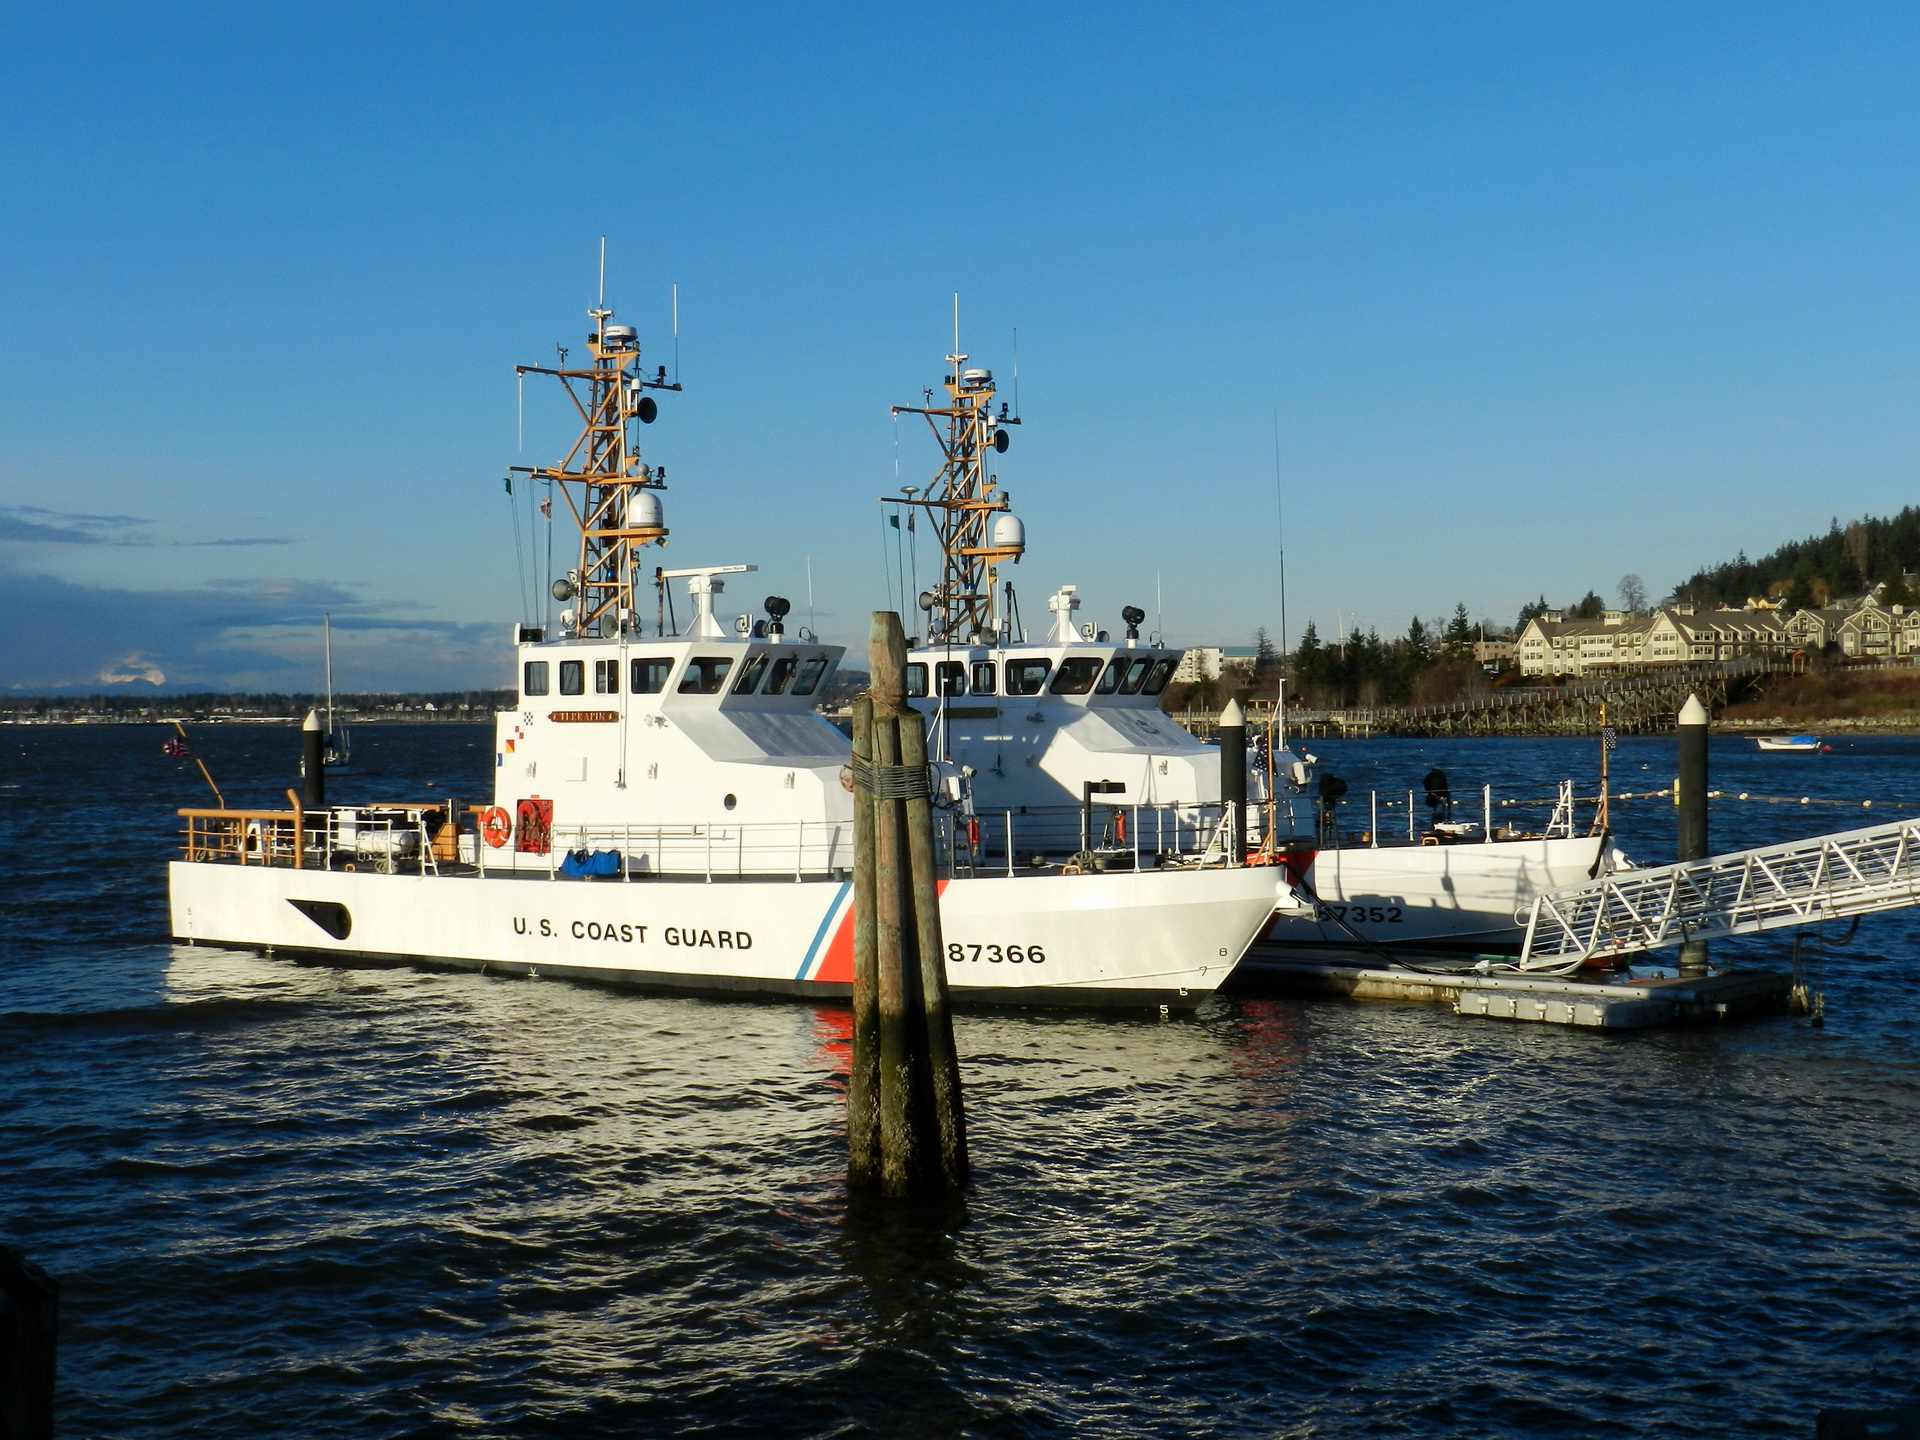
[[968, 510], [608, 487]]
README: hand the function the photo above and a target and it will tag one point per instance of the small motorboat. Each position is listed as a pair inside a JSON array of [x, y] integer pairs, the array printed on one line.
[[1807, 744]]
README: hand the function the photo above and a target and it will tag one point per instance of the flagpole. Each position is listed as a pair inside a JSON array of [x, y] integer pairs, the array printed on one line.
[[194, 756]]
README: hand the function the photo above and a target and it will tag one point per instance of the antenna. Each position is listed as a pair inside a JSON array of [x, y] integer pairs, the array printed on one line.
[[1280, 519], [1016, 369], [810, 624], [601, 303], [676, 334]]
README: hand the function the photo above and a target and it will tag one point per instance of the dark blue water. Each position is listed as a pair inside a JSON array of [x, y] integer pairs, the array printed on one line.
[[298, 1200]]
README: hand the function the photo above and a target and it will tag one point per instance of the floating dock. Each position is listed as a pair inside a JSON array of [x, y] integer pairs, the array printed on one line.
[[1608, 1001]]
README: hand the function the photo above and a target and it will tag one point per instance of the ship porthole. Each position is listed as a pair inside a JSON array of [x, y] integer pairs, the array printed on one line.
[[730, 802]]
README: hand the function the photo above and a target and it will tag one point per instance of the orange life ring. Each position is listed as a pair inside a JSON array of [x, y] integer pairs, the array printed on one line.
[[497, 826]]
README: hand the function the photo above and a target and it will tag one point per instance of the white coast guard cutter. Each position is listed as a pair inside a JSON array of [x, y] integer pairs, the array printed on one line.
[[1064, 747], [671, 809]]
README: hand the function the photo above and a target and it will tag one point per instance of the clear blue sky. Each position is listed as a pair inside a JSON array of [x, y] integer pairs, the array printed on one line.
[[1541, 294]]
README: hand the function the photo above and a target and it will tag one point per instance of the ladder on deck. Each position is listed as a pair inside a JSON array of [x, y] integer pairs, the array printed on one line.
[[1802, 882]]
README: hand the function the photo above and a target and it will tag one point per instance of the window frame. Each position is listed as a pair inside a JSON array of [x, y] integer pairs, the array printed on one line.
[[1110, 678], [748, 680], [1076, 666], [945, 675], [992, 671], [1157, 677], [1039, 685], [812, 671], [785, 667], [1132, 683], [573, 677], [639, 665], [699, 678], [606, 677], [532, 671]]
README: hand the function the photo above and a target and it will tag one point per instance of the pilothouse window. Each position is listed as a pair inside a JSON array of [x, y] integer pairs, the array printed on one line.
[[534, 677], [782, 676], [810, 674], [606, 677], [1111, 679], [750, 674], [1026, 677], [1076, 677], [984, 682], [951, 677], [573, 677], [705, 674], [1136, 676], [1157, 679], [648, 677], [916, 680]]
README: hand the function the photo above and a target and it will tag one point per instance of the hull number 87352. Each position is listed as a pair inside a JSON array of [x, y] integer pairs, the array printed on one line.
[[997, 954]]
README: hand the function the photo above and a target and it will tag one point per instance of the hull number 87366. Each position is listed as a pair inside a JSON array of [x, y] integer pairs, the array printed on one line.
[[997, 954]]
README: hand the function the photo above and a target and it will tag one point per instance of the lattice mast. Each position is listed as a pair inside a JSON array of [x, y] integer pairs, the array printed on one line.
[[965, 504], [610, 489]]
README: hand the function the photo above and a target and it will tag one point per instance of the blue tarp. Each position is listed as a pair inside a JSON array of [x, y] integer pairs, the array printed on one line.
[[584, 863]]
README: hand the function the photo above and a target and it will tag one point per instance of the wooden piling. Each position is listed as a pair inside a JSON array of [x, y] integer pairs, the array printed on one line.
[[943, 1062], [906, 1126], [863, 1079]]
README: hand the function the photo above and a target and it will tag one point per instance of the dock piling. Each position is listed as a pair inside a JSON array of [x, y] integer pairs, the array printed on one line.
[[906, 1123], [1233, 776], [1690, 800], [313, 762], [29, 1306]]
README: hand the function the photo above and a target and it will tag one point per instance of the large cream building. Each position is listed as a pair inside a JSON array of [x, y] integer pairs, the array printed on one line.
[[1551, 644]]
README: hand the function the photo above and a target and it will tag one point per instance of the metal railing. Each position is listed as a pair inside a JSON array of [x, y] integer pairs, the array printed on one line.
[[1745, 892], [414, 840], [383, 838]]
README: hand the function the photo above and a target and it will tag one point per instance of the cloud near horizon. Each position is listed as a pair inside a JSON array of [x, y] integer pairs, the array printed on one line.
[[36, 525], [261, 635]]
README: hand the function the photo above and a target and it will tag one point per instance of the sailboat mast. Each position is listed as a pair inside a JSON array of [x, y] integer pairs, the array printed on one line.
[[326, 623]]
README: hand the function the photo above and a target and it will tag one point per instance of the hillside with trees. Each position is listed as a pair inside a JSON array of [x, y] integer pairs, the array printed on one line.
[[1819, 569]]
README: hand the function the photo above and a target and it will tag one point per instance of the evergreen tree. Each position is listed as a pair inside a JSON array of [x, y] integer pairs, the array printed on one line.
[[1590, 607], [1457, 643], [1309, 662]]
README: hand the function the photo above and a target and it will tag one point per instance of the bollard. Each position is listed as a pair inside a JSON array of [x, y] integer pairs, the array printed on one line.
[[906, 1124], [313, 763], [29, 1307], [1233, 777], [1690, 800]]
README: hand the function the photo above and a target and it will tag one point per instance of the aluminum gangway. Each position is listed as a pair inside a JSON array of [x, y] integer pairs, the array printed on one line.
[[1744, 892]]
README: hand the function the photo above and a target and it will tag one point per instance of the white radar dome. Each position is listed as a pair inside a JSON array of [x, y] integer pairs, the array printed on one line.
[[644, 511], [1009, 533]]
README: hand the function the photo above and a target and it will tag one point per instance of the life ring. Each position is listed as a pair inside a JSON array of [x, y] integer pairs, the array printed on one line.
[[497, 826]]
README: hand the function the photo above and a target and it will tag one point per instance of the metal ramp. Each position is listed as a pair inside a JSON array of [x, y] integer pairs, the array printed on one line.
[[1802, 882]]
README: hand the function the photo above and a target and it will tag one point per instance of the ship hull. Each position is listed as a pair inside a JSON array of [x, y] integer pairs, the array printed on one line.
[[1472, 897], [1112, 939]]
